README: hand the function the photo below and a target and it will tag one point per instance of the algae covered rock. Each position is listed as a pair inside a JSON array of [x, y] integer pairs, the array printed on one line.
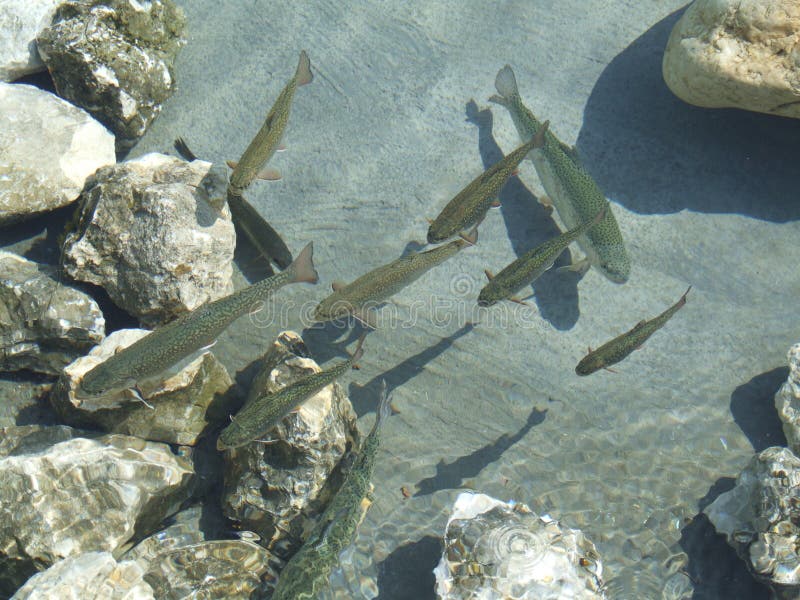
[[48, 148], [43, 326], [148, 234], [20, 23], [275, 486], [181, 403], [497, 551], [787, 401], [115, 59], [739, 54]]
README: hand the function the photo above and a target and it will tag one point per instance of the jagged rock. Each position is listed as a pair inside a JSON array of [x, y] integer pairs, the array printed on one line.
[[89, 576], [20, 23], [787, 401], [24, 401], [148, 235], [115, 59], [183, 401], [275, 486], [760, 517], [43, 325], [63, 497], [47, 150], [496, 551], [740, 54]]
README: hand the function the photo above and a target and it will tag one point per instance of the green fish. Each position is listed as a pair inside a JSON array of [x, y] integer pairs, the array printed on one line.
[[307, 574], [167, 345], [469, 207], [621, 346], [360, 297], [264, 411], [528, 267], [268, 138], [572, 190]]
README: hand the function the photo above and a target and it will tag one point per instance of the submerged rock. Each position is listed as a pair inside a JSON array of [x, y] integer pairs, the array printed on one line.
[[787, 401], [47, 150], [760, 517], [275, 487], [498, 551], [43, 325], [61, 495], [729, 53], [20, 23], [183, 402], [148, 235], [115, 59]]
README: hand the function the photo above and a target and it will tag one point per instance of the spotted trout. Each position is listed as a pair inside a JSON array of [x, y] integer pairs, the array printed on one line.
[[167, 345], [574, 192], [268, 138], [621, 346], [360, 297], [264, 411], [528, 267], [307, 574], [469, 207]]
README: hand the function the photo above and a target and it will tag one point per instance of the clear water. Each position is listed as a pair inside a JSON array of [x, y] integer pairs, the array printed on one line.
[[386, 134]]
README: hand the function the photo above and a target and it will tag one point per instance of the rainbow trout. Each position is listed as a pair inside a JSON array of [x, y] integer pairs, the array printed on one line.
[[306, 575], [167, 345], [268, 138], [262, 413], [621, 346], [361, 296], [469, 207], [528, 267], [572, 190]]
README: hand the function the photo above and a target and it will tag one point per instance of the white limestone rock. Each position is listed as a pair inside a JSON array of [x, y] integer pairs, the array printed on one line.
[[787, 401], [183, 402], [20, 23], [760, 517], [48, 148], [496, 551], [43, 325], [149, 234], [737, 53]]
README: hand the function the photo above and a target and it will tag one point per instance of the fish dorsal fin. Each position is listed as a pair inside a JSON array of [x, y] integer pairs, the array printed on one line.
[[489, 274], [337, 285], [570, 151], [640, 324]]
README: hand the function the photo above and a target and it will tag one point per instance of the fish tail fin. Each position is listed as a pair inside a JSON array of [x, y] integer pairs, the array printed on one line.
[[539, 139], [384, 407], [682, 301], [302, 267], [303, 75], [506, 85]]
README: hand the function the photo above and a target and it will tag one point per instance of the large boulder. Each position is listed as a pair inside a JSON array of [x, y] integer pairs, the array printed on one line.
[[20, 23], [787, 401], [737, 53]]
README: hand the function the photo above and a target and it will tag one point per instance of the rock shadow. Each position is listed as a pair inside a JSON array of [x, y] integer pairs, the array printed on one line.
[[655, 154], [408, 571], [529, 224], [753, 409], [454, 474]]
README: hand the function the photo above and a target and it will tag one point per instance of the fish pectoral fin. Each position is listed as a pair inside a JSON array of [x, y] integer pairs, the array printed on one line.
[[610, 370], [269, 174], [209, 346], [580, 267], [496, 202], [231, 163], [337, 285], [489, 274], [281, 148], [519, 301], [367, 317]]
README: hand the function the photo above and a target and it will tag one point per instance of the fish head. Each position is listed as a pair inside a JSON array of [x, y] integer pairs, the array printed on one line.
[[590, 364], [435, 235], [488, 297], [332, 308], [99, 383], [615, 264]]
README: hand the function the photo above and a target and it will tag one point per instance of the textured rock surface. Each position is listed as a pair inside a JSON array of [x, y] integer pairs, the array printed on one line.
[[184, 400], [37, 339], [20, 23], [787, 401], [760, 517], [148, 235], [735, 53], [274, 488], [48, 148], [79, 495], [24, 401], [114, 58], [498, 551], [88, 576]]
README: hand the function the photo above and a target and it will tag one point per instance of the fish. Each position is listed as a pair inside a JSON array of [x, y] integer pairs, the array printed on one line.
[[307, 573], [528, 267], [268, 138], [261, 234], [199, 328], [360, 297], [264, 411], [469, 207], [621, 346], [572, 190]]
